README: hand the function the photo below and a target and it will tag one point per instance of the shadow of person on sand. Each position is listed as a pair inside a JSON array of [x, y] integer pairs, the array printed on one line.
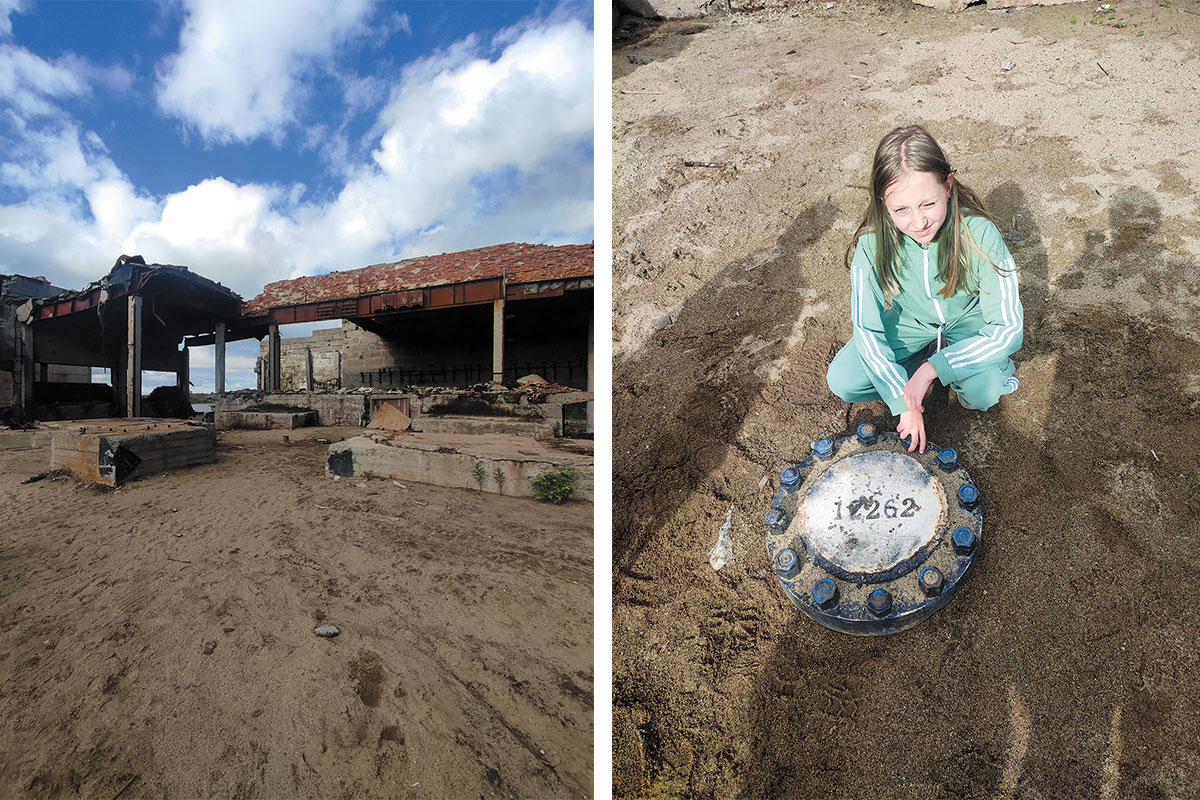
[[1071, 635], [667, 442]]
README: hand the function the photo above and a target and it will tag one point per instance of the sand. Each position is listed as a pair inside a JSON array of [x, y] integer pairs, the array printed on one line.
[[159, 638], [1068, 665]]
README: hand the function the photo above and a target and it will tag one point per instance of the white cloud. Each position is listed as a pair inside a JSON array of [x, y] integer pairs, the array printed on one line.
[[480, 144], [28, 82], [7, 9], [239, 69]]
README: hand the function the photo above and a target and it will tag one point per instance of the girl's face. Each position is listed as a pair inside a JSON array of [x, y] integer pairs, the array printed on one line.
[[916, 202]]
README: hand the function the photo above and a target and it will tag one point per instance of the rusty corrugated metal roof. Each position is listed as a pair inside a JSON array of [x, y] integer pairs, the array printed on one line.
[[521, 263]]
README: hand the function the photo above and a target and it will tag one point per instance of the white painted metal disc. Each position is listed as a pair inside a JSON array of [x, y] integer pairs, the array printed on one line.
[[870, 512]]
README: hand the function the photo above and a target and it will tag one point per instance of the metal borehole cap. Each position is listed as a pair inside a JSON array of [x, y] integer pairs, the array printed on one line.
[[878, 518]]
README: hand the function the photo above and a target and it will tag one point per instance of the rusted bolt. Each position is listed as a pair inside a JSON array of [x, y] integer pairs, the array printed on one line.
[[931, 581], [867, 434], [789, 476], [825, 593], [948, 459], [823, 448], [786, 563], [776, 517], [880, 602], [964, 541], [968, 496]]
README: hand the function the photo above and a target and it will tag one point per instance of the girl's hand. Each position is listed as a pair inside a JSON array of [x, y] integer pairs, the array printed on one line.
[[917, 386], [912, 424]]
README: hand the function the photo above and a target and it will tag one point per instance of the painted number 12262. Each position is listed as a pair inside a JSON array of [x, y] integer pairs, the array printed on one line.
[[870, 508]]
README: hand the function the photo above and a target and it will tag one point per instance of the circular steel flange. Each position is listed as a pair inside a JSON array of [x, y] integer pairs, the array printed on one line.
[[868, 538]]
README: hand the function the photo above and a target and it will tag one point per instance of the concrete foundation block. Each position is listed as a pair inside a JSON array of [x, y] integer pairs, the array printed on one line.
[[450, 460], [264, 420], [509, 426], [113, 451], [21, 440]]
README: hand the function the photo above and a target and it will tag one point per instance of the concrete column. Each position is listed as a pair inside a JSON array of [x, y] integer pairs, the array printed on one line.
[[308, 370], [498, 341], [133, 358], [273, 377], [183, 377], [220, 358], [591, 368], [24, 372]]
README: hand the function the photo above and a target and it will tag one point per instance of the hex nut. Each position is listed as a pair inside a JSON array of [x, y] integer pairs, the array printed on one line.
[[786, 563], [825, 593], [776, 517], [789, 477], [964, 541], [880, 602], [823, 448], [867, 435], [968, 496], [932, 581], [948, 459]]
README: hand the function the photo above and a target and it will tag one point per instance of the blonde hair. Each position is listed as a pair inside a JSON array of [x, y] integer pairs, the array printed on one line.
[[912, 149]]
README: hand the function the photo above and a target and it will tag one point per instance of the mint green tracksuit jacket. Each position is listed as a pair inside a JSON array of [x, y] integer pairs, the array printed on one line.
[[975, 333]]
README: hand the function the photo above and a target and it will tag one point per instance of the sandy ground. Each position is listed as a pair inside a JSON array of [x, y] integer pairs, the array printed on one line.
[[1068, 665], [158, 639]]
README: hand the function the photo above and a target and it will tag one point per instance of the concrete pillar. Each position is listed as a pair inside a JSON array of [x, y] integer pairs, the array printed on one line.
[[24, 372], [308, 369], [220, 358], [273, 345], [183, 378], [591, 368], [133, 358], [498, 341]]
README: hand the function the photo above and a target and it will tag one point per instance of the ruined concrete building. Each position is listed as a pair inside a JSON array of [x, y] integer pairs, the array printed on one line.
[[133, 319], [493, 314]]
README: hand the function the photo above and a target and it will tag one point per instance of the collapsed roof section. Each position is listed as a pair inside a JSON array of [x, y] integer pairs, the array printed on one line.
[[470, 277], [88, 327], [191, 302]]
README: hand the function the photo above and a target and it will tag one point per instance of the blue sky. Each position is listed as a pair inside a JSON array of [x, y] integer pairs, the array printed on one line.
[[254, 140]]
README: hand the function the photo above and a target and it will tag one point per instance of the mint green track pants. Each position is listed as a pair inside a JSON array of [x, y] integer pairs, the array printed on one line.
[[848, 379]]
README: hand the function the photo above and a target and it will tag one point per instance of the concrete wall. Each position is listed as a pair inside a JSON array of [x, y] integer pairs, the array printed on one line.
[[332, 409]]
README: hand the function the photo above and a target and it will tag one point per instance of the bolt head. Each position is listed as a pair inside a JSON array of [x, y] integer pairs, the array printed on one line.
[[964, 541], [786, 563], [867, 433], [776, 517], [823, 447], [825, 593], [948, 459], [880, 602], [789, 476], [968, 496], [932, 581]]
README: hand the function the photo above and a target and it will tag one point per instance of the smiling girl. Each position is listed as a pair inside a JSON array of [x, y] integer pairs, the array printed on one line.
[[928, 267]]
